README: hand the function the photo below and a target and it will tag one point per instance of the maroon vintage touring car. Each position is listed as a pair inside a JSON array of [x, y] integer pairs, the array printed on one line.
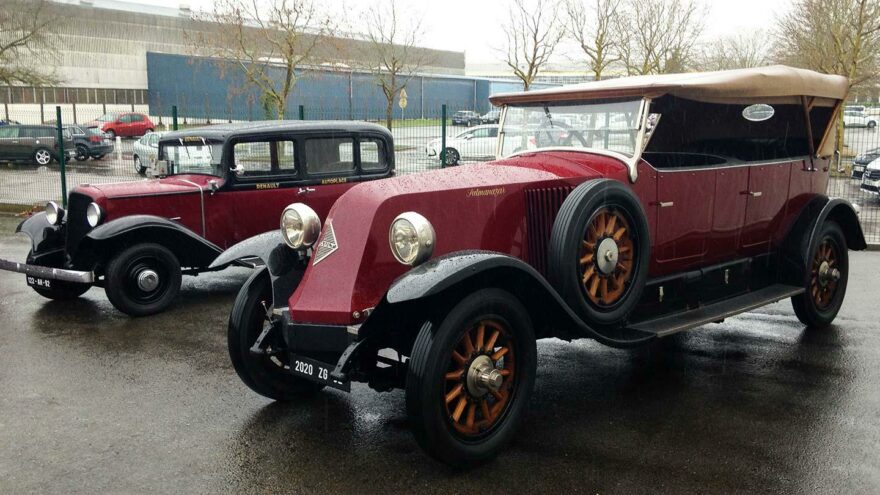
[[624, 211], [219, 185]]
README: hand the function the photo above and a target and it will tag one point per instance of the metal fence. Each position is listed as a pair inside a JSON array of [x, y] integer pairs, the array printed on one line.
[[417, 149]]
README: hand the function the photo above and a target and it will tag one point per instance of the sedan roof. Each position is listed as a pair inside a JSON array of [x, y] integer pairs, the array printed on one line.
[[224, 131], [774, 84]]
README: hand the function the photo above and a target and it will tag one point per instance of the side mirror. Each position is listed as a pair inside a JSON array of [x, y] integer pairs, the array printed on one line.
[[469, 136], [160, 168], [238, 171]]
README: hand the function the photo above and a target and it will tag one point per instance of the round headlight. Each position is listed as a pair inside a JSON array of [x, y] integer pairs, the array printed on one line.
[[94, 214], [300, 226], [412, 238], [54, 213]]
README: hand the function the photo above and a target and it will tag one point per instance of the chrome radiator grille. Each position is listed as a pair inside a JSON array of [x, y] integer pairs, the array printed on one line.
[[542, 205]]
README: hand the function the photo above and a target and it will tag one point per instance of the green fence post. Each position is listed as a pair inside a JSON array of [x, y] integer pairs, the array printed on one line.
[[174, 118], [443, 136], [61, 158], [302, 112]]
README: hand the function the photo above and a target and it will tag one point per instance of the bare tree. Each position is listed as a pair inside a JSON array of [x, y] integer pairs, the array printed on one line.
[[533, 32], [832, 36], [26, 37], [659, 36], [592, 28], [391, 53], [268, 42], [737, 52]]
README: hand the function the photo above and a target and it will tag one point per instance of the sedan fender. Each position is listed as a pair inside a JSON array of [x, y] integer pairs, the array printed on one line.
[[103, 241], [459, 273], [44, 236]]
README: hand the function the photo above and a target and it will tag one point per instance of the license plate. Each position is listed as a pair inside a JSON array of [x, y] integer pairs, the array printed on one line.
[[316, 371], [39, 282]]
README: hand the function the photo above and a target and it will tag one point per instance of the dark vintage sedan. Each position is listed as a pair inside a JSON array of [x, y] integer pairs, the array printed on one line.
[[590, 224], [217, 185]]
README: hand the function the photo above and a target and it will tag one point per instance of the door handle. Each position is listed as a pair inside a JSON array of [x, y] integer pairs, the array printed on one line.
[[305, 190], [665, 204], [754, 194]]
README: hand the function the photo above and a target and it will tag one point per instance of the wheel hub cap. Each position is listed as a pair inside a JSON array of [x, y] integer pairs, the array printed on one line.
[[482, 377], [148, 280], [608, 256]]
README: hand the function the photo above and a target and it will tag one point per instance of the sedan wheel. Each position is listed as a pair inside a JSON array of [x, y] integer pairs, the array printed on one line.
[[827, 278], [82, 153], [42, 157], [143, 280], [139, 168], [451, 157]]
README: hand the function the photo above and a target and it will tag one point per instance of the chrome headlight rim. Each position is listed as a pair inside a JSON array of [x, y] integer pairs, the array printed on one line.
[[425, 238], [94, 214], [309, 226], [54, 213]]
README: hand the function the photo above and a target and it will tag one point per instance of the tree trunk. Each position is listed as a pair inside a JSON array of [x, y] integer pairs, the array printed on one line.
[[389, 111]]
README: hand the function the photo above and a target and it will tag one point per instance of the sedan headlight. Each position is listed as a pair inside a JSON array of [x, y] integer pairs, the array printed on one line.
[[94, 214], [412, 238], [54, 213], [300, 226]]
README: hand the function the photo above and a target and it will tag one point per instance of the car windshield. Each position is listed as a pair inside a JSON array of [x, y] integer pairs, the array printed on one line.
[[107, 117], [193, 158], [610, 126]]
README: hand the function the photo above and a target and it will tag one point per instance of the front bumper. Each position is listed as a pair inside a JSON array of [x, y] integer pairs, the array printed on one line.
[[871, 186], [320, 353], [48, 273]]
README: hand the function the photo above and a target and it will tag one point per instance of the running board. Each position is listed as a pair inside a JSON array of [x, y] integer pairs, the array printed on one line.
[[679, 322]]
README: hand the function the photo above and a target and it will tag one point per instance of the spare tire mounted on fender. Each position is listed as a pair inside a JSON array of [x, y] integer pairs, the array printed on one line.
[[599, 251]]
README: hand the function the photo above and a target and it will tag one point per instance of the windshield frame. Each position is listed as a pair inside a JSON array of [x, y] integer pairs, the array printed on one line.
[[215, 144], [631, 162]]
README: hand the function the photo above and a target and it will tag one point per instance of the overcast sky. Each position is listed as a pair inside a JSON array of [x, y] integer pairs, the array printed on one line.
[[473, 26]]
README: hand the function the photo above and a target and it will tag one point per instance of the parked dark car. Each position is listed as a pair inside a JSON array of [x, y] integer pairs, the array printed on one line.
[[123, 124], [90, 142], [465, 117], [33, 143], [9, 122], [862, 161], [218, 185], [601, 231], [491, 117]]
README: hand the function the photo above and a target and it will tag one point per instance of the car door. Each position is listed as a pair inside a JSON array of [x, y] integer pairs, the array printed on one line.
[[123, 125], [766, 196], [138, 126], [482, 145], [10, 147], [152, 148], [685, 206]]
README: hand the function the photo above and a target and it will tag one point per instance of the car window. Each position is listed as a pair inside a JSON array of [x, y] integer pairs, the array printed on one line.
[[8, 132], [136, 117], [154, 139], [373, 156], [329, 155], [465, 135], [485, 133], [264, 158], [125, 118]]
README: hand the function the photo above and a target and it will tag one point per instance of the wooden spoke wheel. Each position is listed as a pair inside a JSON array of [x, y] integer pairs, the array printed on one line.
[[825, 274], [607, 257], [479, 380]]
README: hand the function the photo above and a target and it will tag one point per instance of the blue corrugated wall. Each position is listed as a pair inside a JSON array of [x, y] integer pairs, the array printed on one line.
[[203, 88]]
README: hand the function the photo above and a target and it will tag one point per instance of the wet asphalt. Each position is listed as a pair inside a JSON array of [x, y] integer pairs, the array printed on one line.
[[92, 401]]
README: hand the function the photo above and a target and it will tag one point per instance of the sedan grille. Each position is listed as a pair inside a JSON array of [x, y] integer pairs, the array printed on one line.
[[77, 224], [872, 174], [542, 205]]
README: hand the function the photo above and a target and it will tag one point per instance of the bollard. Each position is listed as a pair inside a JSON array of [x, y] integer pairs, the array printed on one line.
[[443, 136], [174, 117], [118, 149]]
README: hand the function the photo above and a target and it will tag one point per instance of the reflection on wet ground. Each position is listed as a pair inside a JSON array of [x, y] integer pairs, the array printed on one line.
[[93, 401]]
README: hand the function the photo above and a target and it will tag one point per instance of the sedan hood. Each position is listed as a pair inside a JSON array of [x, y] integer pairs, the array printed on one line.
[[150, 187]]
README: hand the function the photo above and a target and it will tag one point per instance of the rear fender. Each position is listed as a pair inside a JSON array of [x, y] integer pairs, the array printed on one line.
[[446, 280], [44, 236], [286, 266], [104, 241]]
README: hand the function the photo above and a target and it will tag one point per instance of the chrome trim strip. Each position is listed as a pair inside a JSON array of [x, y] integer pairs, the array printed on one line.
[[723, 167], [48, 273], [202, 199]]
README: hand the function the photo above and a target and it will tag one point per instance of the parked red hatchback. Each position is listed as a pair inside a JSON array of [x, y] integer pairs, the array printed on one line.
[[219, 185], [624, 211], [124, 124]]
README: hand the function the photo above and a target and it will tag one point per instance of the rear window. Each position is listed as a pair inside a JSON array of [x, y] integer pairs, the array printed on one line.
[[373, 155], [330, 155], [8, 132], [255, 159]]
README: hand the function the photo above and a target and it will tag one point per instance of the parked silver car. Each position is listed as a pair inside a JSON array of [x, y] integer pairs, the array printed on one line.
[[145, 152]]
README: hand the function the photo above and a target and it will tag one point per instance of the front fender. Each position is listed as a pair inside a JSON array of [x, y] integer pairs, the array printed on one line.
[[105, 240], [842, 212], [470, 269], [44, 236], [260, 247]]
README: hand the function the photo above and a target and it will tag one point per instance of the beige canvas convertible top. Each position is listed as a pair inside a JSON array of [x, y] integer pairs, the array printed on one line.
[[774, 84]]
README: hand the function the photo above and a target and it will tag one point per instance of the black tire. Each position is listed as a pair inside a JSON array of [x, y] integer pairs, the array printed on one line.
[[451, 158], [262, 374], [426, 383], [122, 285], [872, 124], [82, 153], [42, 157], [139, 168], [111, 134], [603, 298], [59, 290], [819, 305]]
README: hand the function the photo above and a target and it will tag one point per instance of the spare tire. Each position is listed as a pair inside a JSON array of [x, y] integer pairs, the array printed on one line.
[[599, 252]]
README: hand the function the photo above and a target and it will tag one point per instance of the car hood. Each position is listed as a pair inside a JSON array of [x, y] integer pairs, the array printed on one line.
[[481, 206], [874, 165], [149, 187]]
